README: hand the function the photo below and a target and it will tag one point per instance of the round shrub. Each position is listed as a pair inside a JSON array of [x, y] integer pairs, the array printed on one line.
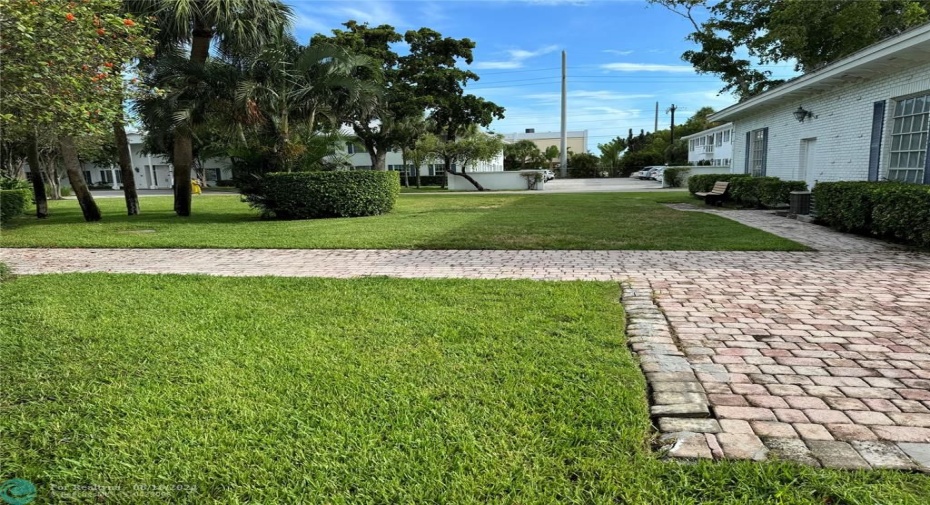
[[13, 203], [675, 176], [705, 182], [312, 195]]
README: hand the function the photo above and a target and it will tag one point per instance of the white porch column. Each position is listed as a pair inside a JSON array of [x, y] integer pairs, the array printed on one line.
[[113, 176], [150, 171], [171, 175]]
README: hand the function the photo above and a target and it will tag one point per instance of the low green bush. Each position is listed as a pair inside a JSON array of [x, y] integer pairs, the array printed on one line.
[[311, 195], [891, 210], [705, 182], [13, 203], [675, 176], [426, 180], [14, 183], [750, 191]]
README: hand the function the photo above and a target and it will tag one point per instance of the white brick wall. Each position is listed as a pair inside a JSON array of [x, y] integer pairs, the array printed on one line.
[[842, 125]]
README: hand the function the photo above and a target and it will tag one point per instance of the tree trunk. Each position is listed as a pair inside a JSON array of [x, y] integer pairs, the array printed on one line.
[[50, 174], [403, 160], [38, 185], [69, 156], [183, 159], [448, 167], [417, 168], [377, 158], [125, 168]]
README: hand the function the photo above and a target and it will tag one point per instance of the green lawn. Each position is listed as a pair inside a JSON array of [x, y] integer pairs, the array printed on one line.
[[275, 390], [556, 221]]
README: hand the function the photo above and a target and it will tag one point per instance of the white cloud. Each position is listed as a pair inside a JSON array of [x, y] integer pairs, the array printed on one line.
[[618, 52], [647, 67], [324, 19], [516, 58], [598, 95]]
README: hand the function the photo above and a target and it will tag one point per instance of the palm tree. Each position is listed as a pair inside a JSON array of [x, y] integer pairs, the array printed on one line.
[[234, 26], [291, 88]]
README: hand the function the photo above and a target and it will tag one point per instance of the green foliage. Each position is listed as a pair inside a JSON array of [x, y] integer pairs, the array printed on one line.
[[312, 195], [747, 190], [890, 210], [522, 151], [705, 182], [636, 161], [5, 272], [61, 63], [809, 34], [14, 183], [13, 202], [675, 176], [583, 165], [429, 180]]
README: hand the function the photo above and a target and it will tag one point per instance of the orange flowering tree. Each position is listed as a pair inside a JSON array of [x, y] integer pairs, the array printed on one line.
[[62, 65]]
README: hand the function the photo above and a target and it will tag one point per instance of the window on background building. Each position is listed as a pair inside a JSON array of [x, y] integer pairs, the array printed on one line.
[[363, 167], [910, 135], [119, 177], [757, 152], [106, 176], [353, 148], [719, 137], [213, 174], [88, 179], [726, 136]]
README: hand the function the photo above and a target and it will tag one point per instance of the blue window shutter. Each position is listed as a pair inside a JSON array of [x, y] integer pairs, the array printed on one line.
[[875, 147], [765, 150], [748, 152]]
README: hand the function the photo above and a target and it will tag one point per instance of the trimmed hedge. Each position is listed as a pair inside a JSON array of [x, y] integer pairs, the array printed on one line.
[[13, 203], [426, 180], [311, 195], [747, 190], [891, 210], [675, 176], [705, 182]]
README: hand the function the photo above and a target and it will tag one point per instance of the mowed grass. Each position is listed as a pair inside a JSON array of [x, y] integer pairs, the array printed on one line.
[[272, 390], [423, 221]]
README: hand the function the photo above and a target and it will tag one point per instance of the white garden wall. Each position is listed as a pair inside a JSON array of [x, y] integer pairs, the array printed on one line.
[[494, 181]]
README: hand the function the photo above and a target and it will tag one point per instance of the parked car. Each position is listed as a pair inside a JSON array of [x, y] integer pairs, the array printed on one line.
[[548, 175], [647, 172], [658, 174]]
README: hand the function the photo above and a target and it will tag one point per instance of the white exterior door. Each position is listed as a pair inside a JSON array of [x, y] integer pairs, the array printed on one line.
[[807, 164]]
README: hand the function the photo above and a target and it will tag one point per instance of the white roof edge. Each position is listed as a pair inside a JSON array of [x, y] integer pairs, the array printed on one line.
[[876, 51], [704, 132]]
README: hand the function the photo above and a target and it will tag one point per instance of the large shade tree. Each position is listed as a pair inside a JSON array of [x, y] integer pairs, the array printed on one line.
[[233, 27], [432, 68], [58, 59]]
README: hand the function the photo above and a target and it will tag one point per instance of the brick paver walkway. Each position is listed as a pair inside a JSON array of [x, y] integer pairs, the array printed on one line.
[[820, 356]]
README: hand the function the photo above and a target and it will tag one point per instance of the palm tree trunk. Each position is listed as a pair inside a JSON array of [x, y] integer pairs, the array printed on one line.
[[125, 168], [183, 159], [403, 160], [69, 157], [38, 185], [183, 143], [417, 168]]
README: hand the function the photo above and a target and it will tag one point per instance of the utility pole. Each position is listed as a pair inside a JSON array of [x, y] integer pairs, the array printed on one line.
[[656, 128], [671, 142], [563, 152]]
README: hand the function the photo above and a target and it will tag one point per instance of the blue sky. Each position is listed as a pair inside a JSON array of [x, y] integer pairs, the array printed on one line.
[[623, 57]]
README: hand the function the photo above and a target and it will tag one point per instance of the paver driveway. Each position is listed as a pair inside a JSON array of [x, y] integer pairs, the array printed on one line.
[[820, 355]]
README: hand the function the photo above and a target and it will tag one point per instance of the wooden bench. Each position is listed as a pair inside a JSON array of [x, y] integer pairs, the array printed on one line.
[[715, 195]]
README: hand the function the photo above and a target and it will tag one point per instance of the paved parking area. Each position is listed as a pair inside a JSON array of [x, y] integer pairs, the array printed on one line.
[[822, 357]]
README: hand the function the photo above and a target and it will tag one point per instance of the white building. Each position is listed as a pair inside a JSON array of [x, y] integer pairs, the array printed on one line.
[[864, 117], [712, 147], [151, 172], [360, 160], [576, 141]]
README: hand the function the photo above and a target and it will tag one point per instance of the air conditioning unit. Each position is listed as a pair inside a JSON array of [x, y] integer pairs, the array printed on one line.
[[799, 203]]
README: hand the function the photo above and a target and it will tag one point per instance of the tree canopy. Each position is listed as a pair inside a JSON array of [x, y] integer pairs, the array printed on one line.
[[809, 34]]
